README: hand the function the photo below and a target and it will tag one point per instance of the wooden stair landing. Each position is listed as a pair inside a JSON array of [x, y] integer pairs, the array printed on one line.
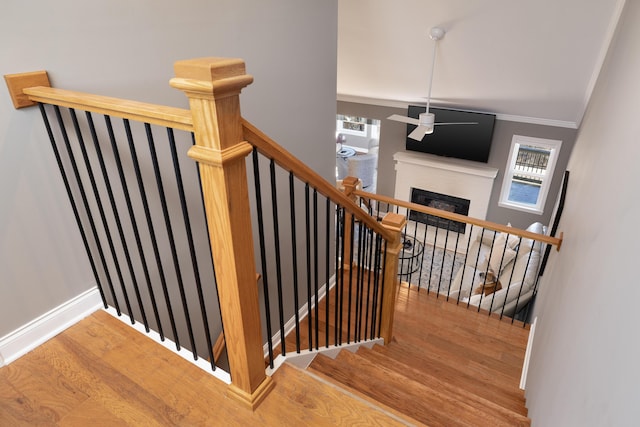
[[102, 372], [446, 365]]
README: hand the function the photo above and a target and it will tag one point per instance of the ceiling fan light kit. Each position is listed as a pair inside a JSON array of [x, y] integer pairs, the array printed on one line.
[[426, 121]]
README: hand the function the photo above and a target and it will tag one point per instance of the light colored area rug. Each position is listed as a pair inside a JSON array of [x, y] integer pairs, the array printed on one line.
[[434, 269]]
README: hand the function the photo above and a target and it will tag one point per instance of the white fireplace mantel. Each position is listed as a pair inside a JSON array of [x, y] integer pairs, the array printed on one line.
[[455, 177]]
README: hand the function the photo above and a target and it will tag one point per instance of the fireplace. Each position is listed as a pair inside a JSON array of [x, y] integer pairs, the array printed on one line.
[[457, 178], [439, 201]]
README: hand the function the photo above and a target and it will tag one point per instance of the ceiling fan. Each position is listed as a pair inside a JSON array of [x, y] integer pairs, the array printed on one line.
[[426, 121]]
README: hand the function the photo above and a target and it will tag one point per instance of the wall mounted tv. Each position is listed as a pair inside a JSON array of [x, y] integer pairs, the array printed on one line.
[[470, 142]]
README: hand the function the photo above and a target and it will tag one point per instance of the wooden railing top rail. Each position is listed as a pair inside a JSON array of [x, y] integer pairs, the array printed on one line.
[[172, 117], [283, 158], [555, 241], [178, 118]]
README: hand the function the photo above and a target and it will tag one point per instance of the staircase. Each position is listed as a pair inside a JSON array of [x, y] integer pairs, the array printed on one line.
[[446, 365]]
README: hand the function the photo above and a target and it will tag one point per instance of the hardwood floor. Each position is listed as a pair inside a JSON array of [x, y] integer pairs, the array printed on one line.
[[102, 373], [445, 366]]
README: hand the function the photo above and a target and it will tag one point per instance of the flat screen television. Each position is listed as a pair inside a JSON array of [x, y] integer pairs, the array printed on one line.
[[469, 142]]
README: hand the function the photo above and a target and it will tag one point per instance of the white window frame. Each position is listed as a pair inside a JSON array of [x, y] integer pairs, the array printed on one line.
[[550, 144]]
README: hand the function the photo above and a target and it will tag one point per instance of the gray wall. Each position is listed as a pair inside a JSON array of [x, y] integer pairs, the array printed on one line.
[[584, 366], [127, 49], [393, 136]]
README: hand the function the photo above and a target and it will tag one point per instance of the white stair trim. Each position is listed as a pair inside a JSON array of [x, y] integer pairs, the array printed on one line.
[[303, 359], [38, 331], [187, 355], [527, 355]]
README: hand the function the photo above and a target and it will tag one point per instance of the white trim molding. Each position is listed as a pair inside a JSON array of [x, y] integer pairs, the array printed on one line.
[[302, 313], [499, 116], [38, 331], [170, 345], [527, 355]]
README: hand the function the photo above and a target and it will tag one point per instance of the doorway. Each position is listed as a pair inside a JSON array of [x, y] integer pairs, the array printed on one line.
[[357, 141]]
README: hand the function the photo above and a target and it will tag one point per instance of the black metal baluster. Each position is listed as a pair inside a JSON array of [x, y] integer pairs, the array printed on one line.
[[506, 296], [192, 249], [453, 263], [116, 216], [327, 270], [533, 295], [424, 252], [308, 248], [376, 287], [315, 266], [359, 273], [341, 290], [134, 224], [444, 254], [152, 234], [74, 207], [172, 244], [433, 254], [364, 304], [276, 241], [381, 288], [350, 282], [339, 269], [493, 241], [464, 263], [294, 260], [360, 286], [103, 216], [263, 255], [372, 272], [413, 260]]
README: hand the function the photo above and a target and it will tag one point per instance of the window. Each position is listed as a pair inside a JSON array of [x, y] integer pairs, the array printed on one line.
[[528, 173]]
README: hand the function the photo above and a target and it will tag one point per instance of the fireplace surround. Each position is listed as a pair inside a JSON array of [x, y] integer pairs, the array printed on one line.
[[458, 178]]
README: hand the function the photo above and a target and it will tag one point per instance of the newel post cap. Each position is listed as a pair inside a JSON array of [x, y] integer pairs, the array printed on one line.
[[208, 74]]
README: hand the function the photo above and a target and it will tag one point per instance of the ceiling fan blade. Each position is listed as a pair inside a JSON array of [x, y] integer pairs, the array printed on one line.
[[419, 133], [457, 123], [403, 119]]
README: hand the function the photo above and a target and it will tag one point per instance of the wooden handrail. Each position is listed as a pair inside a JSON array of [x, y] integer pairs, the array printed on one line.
[[555, 241], [172, 117], [178, 118], [283, 158]]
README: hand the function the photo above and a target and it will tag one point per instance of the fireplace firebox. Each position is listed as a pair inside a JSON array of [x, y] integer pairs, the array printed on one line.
[[439, 201]]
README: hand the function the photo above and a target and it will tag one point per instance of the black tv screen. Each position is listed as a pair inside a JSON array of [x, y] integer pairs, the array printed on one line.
[[469, 142]]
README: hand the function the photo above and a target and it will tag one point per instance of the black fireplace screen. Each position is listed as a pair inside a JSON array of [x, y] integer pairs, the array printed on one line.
[[439, 201]]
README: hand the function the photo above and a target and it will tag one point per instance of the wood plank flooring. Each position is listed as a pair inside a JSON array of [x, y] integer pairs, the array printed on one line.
[[446, 365], [100, 372]]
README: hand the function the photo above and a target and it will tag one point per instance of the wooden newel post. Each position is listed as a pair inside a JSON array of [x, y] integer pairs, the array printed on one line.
[[394, 223], [213, 87], [350, 184]]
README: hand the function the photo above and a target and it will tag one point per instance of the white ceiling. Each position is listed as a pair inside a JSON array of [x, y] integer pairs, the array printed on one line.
[[528, 60]]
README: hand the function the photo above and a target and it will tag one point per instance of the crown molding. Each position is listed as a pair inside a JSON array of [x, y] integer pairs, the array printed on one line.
[[499, 116], [604, 49]]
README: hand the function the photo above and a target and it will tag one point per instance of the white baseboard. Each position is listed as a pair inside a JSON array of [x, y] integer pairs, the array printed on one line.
[[302, 313], [527, 355], [201, 363], [27, 337]]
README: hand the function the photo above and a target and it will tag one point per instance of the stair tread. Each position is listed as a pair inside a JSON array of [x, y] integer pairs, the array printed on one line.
[[380, 383], [420, 309], [466, 360], [508, 395], [480, 398]]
